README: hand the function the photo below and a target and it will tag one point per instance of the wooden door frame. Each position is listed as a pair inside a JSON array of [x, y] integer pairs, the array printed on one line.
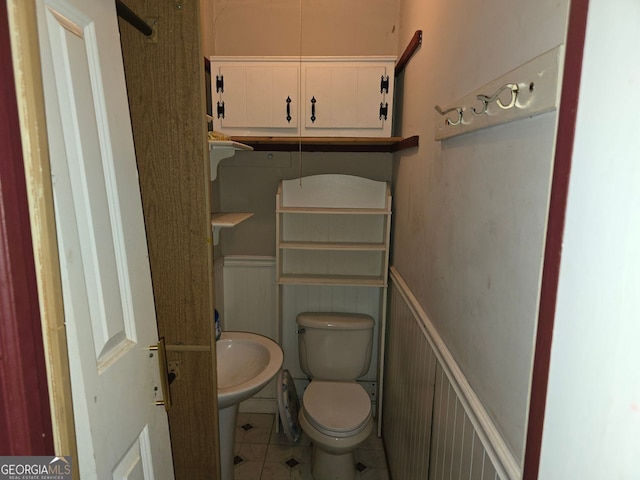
[[25, 419], [565, 135], [37, 215]]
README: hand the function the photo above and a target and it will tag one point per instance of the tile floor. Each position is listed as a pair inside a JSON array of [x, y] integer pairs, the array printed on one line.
[[263, 454]]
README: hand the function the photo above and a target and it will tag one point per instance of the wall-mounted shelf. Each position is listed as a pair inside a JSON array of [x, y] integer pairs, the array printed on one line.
[[338, 280], [329, 144], [221, 149], [226, 220]]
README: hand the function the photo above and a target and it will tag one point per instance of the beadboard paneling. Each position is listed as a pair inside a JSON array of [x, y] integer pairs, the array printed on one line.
[[249, 295], [434, 427], [408, 393]]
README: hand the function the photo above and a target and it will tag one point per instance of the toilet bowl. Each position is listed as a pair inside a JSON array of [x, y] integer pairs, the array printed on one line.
[[336, 415]]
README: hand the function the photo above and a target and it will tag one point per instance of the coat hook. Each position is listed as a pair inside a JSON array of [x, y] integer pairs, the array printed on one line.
[[485, 104], [459, 110], [496, 98]]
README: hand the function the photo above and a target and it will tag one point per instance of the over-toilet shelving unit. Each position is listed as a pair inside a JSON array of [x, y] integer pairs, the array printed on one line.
[[334, 230]]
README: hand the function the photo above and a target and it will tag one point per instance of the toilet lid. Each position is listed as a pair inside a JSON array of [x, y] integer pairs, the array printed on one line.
[[288, 406], [336, 408]]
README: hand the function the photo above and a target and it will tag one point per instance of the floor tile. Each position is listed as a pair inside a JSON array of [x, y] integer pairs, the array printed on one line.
[[247, 471], [275, 471], [301, 472], [279, 453], [255, 434], [264, 454], [371, 458], [252, 452], [373, 474]]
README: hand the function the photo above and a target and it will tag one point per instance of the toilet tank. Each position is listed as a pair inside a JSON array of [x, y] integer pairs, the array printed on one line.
[[334, 346]]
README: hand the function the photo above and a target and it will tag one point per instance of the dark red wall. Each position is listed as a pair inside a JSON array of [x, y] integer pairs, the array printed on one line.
[[25, 419]]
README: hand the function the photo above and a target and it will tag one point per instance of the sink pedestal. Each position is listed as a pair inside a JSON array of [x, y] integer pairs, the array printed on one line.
[[246, 362], [227, 424]]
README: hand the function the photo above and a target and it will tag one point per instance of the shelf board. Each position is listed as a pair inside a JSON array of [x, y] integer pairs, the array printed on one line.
[[346, 246], [345, 280], [329, 144], [334, 211], [228, 145], [229, 219], [226, 220]]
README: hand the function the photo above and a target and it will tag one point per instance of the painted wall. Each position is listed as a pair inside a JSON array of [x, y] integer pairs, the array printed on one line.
[[248, 182], [307, 27], [592, 422], [470, 212]]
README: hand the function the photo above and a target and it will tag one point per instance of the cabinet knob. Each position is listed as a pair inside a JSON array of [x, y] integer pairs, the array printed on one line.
[[288, 109]]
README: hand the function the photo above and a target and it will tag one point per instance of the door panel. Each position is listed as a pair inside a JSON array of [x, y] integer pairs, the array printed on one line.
[[345, 97], [136, 464], [256, 96], [108, 299]]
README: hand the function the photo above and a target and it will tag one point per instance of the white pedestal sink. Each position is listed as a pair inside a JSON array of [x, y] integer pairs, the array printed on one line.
[[246, 362]]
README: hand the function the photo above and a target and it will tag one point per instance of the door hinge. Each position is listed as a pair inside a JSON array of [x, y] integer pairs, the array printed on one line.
[[220, 109], [384, 84], [384, 108]]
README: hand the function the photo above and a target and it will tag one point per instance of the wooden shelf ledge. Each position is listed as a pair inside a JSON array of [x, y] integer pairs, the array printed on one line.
[[226, 220], [329, 144]]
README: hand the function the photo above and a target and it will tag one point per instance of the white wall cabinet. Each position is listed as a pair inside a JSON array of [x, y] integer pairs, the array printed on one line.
[[259, 97], [337, 97], [333, 231]]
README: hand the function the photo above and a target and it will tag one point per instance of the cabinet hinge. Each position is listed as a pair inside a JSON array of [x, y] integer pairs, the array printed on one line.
[[384, 84], [219, 83], [384, 108], [221, 109]]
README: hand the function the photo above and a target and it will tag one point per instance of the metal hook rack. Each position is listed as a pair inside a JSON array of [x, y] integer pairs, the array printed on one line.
[[537, 92]]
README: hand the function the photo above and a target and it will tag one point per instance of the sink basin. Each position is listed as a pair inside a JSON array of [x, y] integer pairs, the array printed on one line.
[[246, 363]]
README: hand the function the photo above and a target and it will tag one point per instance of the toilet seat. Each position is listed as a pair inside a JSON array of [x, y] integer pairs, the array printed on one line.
[[337, 409]]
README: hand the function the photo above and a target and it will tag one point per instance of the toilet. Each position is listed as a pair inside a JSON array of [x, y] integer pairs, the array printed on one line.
[[334, 350]]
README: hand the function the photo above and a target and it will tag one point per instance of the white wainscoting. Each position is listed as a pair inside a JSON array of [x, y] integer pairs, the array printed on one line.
[[245, 291], [434, 426]]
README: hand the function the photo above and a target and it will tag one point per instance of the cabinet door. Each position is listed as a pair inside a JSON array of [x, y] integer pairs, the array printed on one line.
[[343, 96], [257, 96]]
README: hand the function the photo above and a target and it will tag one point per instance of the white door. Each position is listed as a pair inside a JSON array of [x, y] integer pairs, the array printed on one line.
[[108, 299]]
